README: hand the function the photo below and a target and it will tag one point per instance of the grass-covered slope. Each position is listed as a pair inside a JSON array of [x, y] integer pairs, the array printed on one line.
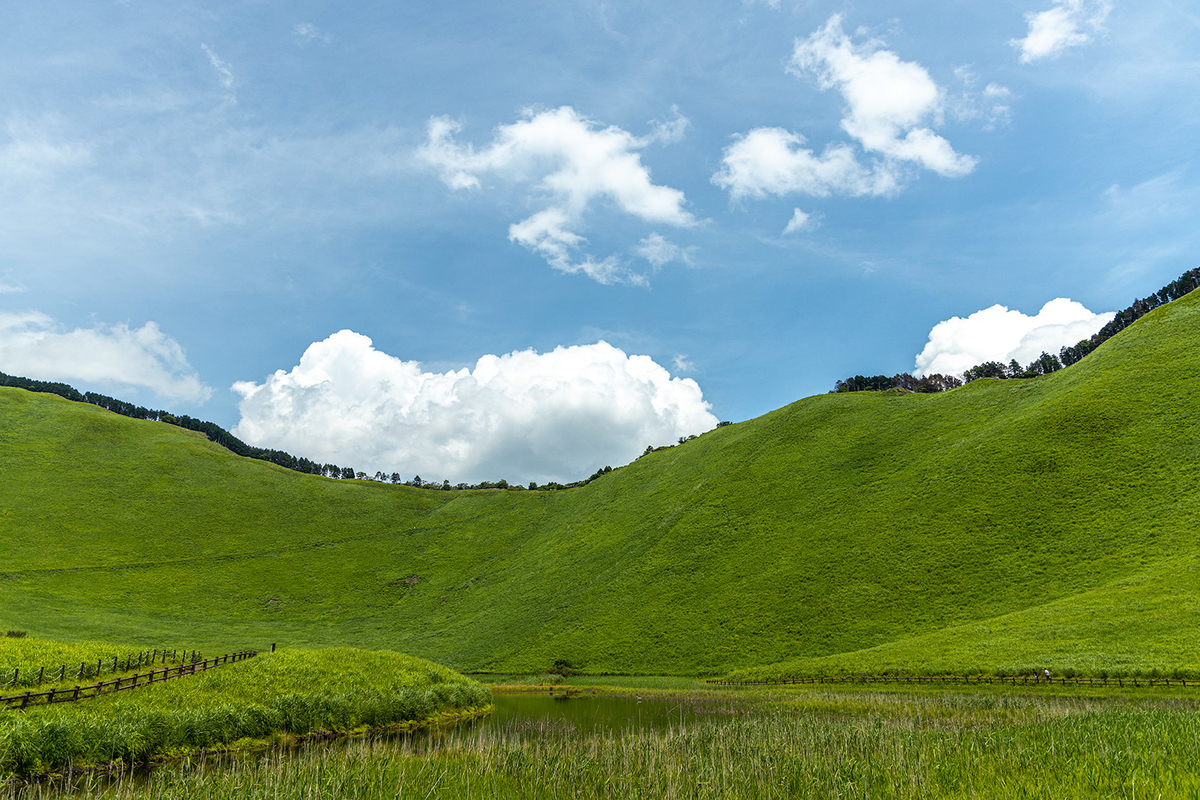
[[1006, 523]]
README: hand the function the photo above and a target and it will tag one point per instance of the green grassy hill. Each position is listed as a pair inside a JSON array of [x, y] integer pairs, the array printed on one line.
[[1001, 525]]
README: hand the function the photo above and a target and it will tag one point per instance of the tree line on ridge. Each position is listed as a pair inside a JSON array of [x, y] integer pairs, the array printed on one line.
[[219, 435], [212, 430], [1042, 365]]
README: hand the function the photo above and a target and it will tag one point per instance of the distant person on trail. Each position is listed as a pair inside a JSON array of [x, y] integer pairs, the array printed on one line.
[[1047, 674]]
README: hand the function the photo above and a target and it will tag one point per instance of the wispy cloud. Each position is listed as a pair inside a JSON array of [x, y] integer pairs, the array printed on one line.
[[306, 33], [990, 105], [659, 251], [102, 177], [1164, 199], [669, 131], [32, 149], [224, 72]]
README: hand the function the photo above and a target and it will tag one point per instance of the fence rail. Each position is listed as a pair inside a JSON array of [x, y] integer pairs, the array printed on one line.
[[20, 702], [87, 669], [971, 680]]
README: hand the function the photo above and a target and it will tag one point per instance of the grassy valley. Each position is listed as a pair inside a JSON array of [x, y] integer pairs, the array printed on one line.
[[1003, 525]]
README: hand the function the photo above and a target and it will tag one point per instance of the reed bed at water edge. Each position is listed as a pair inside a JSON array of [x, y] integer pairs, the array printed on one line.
[[828, 745]]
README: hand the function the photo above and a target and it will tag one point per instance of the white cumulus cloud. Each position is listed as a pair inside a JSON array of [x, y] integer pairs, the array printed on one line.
[[1000, 334], [572, 163], [891, 105], [520, 416], [1067, 23], [891, 109], [800, 221], [775, 161], [32, 345]]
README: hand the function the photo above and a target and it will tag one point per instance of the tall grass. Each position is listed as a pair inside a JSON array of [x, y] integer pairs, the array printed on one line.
[[820, 745], [287, 693]]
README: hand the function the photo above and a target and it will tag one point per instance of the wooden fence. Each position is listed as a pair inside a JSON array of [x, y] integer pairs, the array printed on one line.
[[87, 669], [20, 702], [970, 680]]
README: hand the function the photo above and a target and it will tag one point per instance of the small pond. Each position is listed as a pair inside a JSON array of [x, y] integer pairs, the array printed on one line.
[[521, 715], [587, 712]]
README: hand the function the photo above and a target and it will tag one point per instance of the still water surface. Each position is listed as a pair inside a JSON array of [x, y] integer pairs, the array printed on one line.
[[587, 713]]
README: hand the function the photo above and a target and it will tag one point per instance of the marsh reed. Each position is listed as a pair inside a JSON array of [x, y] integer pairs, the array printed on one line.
[[830, 744]]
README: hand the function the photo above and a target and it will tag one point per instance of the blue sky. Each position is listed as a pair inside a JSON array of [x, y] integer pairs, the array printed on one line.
[[193, 196]]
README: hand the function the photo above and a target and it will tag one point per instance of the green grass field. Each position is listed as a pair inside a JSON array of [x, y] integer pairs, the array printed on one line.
[[1004, 525], [288, 693]]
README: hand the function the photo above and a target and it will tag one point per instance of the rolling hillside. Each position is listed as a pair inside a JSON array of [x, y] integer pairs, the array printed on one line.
[[1001, 525]]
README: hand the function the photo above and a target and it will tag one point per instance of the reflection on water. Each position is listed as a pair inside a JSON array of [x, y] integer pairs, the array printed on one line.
[[586, 713]]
